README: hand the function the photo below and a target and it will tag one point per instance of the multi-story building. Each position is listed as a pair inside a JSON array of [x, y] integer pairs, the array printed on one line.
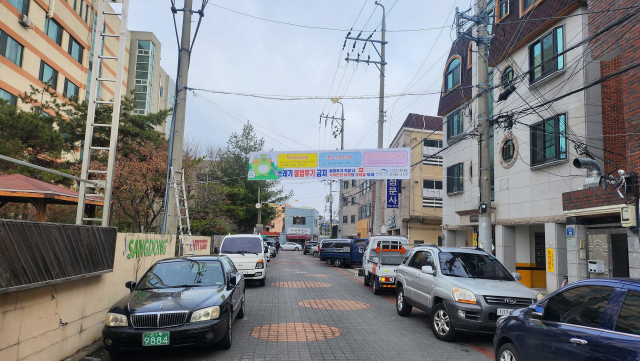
[[419, 212], [300, 224], [531, 162], [357, 208]]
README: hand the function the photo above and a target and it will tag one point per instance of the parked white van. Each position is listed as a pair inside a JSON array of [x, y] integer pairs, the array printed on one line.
[[247, 253]]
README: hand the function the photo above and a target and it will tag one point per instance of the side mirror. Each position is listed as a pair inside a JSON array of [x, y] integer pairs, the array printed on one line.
[[537, 313], [232, 281], [130, 285], [517, 276], [216, 250], [428, 270]]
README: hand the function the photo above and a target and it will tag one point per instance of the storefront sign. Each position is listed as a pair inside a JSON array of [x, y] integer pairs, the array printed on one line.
[[299, 230], [571, 232], [391, 163], [473, 218], [392, 193], [550, 261], [146, 247]]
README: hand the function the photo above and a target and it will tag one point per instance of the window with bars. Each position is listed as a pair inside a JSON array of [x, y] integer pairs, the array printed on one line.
[[430, 202], [455, 180], [548, 140], [543, 55], [434, 161]]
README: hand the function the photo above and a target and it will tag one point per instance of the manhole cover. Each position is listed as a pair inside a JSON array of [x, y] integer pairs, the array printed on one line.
[[341, 305], [301, 284], [295, 332]]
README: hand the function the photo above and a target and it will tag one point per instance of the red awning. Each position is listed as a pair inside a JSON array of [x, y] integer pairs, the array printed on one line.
[[298, 236]]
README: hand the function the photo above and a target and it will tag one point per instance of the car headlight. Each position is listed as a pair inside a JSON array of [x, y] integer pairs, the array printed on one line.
[[539, 296], [463, 295], [205, 314], [260, 264], [116, 320]]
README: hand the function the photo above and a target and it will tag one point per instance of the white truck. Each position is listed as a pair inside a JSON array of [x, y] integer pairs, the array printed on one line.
[[381, 258]]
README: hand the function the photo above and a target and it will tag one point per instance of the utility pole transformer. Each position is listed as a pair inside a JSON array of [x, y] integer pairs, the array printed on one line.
[[377, 219], [176, 138]]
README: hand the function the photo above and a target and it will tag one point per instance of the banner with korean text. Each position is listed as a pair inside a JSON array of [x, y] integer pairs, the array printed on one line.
[[393, 188], [331, 164]]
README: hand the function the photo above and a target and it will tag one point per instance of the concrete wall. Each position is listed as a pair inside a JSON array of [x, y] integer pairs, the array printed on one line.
[[52, 322]]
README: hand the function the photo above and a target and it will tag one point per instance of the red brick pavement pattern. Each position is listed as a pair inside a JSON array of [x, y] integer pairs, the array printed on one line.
[[295, 332], [340, 305]]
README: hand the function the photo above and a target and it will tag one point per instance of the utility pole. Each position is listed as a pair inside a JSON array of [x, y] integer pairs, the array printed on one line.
[[377, 220], [176, 138], [330, 208], [259, 205], [340, 203]]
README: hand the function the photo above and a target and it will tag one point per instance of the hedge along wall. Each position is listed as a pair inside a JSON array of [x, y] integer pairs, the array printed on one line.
[[54, 321]]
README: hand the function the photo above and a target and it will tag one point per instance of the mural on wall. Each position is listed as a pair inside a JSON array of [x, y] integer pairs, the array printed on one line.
[[146, 247], [200, 244]]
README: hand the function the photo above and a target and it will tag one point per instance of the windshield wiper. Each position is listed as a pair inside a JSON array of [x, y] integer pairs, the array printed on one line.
[[243, 252]]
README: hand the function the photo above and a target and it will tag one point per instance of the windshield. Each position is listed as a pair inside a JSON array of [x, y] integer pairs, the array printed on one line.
[[471, 265], [241, 245], [183, 274]]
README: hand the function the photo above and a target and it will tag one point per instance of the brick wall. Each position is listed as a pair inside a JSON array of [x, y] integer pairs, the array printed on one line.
[[613, 126], [590, 198]]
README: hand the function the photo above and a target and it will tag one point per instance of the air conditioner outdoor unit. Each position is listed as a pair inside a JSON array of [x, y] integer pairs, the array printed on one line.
[[25, 21]]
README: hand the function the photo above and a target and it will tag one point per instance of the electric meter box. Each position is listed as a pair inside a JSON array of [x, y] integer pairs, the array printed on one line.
[[628, 216], [596, 266]]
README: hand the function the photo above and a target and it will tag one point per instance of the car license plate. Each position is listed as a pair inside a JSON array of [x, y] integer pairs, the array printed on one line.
[[503, 311], [155, 338], [247, 272]]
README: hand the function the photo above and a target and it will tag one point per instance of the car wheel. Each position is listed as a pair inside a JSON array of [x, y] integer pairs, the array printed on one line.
[[508, 352], [441, 324], [366, 280], [225, 343], [403, 308], [115, 354], [337, 262], [241, 312], [329, 261], [315, 254], [377, 287]]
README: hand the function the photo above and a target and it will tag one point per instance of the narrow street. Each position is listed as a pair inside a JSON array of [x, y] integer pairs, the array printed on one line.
[[313, 311]]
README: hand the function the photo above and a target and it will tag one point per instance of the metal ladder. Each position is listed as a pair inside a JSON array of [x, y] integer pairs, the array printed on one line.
[[183, 212], [96, 79]]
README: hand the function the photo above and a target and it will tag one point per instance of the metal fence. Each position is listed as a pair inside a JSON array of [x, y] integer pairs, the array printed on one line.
[[34, 254]]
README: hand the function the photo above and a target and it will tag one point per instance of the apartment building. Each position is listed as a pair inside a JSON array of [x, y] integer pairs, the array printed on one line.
[[419, 213], [531, 160]]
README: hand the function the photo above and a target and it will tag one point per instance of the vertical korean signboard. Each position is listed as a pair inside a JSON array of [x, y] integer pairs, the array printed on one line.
[[347, 164], [392, 193]]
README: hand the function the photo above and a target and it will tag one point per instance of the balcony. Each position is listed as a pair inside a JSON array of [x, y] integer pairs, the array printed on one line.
[[431, 193]]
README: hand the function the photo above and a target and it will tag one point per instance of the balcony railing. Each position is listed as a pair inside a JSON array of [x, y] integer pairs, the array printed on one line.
[[430, 150], [432, 193]]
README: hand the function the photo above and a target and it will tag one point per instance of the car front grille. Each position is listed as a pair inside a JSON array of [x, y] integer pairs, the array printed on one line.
[[493, 317], [159, 319], [508, 301]]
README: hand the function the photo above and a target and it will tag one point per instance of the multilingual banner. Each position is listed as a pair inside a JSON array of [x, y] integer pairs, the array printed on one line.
[[391, 163]]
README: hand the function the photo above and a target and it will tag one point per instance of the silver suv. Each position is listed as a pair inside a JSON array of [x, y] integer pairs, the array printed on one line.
[[461, 288]]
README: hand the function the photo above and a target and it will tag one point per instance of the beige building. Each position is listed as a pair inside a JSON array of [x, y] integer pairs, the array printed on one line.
[[419, 212]]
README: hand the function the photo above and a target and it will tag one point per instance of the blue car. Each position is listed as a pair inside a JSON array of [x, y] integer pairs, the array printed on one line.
[[595, 319]]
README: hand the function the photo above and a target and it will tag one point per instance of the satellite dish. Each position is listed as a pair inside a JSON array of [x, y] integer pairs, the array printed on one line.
[[258, 205]]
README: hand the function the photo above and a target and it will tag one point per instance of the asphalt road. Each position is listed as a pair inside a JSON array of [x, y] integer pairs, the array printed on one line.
[[313, 311]]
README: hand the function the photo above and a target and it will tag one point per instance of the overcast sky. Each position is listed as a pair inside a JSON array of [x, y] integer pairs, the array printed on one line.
[[238, 53]]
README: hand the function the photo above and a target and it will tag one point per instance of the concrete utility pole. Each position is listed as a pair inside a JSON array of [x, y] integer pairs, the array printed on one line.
[[377, 220], [340, 203], [176, 138], [485, 238], [259, 205], [330, 208]]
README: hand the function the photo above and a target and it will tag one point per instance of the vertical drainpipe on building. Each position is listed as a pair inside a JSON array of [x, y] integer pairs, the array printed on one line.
[[52, 5]]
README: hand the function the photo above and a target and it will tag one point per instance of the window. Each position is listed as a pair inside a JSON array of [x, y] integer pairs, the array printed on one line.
[[454, 124], [161, 92], [581, 306], [431, 184], [21, 5], [503, 9], [507, 77], [80, 10], [53, 30], [353, 200], [86, 13], [5, 95], [353, 183], [70, 89], [75, 50], [299, 221], [543, 55], [48, 75], [345, 185], [548, 142], [433, 143], [416, 261], [454, 178], [629, 316], [345, 201], [353, 218], [526, 4], [428, 259], [344, 219], [143, 76], [452, 74], [508, 150], [11, 49]]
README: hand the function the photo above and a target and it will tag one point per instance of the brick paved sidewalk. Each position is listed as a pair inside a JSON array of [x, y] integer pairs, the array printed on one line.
[[313, 311]]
